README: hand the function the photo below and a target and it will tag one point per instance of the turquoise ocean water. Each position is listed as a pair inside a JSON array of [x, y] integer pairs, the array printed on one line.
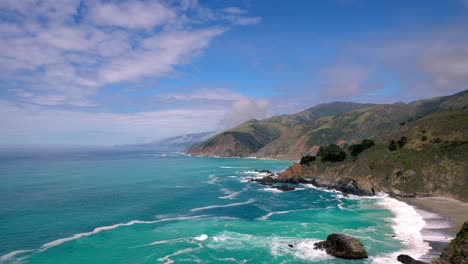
[[152, 208]]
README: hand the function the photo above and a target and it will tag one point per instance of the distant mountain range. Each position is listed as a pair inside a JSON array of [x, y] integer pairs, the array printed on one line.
[[176, 143], [293, 136]]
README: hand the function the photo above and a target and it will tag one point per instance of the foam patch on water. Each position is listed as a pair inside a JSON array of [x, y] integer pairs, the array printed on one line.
[[212, 179], [277, 246], [12, 254], [267, 216], [97, 230], [167, 260], [222, 206], [407, 225], [229, 194], [161, 242], [230, 167], [202, 237], [311, 186], [269, 189]]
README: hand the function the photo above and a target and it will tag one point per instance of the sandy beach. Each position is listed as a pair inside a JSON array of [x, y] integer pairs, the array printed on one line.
[[444, 217], [454, 210]]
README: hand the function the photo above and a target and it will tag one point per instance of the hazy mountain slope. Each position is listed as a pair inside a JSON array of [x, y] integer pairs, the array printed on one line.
[[278, 133], [292, 136], [177, 143]]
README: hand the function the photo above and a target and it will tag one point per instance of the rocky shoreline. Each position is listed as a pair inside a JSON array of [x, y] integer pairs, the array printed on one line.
[[349, 186]]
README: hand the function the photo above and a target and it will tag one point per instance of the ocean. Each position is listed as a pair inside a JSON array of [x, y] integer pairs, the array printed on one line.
[[175, 208]]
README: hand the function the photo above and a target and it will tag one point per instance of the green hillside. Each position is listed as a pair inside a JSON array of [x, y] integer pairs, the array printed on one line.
[[432, 160], [293, 136]]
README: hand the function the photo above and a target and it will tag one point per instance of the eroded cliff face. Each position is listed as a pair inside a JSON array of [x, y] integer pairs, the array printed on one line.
[[405, 173]]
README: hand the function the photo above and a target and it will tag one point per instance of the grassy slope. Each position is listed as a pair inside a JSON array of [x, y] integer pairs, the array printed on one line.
[[292, 136], [434, 166]]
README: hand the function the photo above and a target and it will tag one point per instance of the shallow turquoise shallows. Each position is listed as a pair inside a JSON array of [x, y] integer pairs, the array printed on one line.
[[152, 208]]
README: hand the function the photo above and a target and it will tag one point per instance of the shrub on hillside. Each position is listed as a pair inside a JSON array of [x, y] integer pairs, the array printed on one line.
[[402, 141], [358, 148], [392, 145], [331, 153], [307, 159]]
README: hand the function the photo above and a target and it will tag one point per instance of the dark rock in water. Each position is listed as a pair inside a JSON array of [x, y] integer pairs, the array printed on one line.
[[267, 180], [342, 246], [284, 188], [264, 171], [350, 186], [405, 259], [291, 246], [457, 250]]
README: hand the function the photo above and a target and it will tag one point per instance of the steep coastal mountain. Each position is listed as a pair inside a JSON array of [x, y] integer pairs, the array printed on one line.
[[293, 136], [423, 157], [176, 143]]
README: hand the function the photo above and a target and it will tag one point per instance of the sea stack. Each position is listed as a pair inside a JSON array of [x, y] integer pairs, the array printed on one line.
[[342, 246]]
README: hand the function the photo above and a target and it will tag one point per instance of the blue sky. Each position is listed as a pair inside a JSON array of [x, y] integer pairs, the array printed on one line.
[[113, 72]]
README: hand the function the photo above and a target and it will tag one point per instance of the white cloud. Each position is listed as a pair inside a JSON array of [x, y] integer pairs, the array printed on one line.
[[234, 10], [29, 124], [65, 51], [158, 56], [203, 94], [134, 14], [244, 109], [447, 65], [343, 80]]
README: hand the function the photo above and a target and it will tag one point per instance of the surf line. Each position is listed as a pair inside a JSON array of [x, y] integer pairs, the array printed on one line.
[[222, 206]]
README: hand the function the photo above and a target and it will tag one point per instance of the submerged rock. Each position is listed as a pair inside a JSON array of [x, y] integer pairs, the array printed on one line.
[[405, 259], [342, 246], [284, 188]]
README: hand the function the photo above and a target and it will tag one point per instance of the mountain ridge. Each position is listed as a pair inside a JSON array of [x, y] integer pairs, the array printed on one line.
[[293, 136]]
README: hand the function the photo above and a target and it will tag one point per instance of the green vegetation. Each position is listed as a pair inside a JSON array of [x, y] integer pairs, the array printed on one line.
[[392, 146], [402, 141], [331, 153], [355, 149], [307, 159], [293, 136]]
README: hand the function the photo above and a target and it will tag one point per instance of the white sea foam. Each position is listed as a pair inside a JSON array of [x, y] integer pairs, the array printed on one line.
[[278, 246], [222, 206], [160, 242], [311, 186], [212, 179], [167, 260], [202, 237], [12, 254], [267, 216], [269, 189], [407, 225], [230, 167], [104, 228], [228, 194]]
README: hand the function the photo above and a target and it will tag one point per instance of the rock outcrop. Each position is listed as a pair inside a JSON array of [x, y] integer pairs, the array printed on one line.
[[405, 259], [457, 251], [342, 246]]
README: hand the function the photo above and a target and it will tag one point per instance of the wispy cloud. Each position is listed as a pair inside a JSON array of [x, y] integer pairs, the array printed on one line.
[[63, 52]]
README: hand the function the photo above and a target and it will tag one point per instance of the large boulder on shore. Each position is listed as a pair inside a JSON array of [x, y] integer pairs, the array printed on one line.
[[342, 246]]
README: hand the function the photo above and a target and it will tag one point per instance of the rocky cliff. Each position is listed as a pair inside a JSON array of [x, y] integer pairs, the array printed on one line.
[[431, 161]]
